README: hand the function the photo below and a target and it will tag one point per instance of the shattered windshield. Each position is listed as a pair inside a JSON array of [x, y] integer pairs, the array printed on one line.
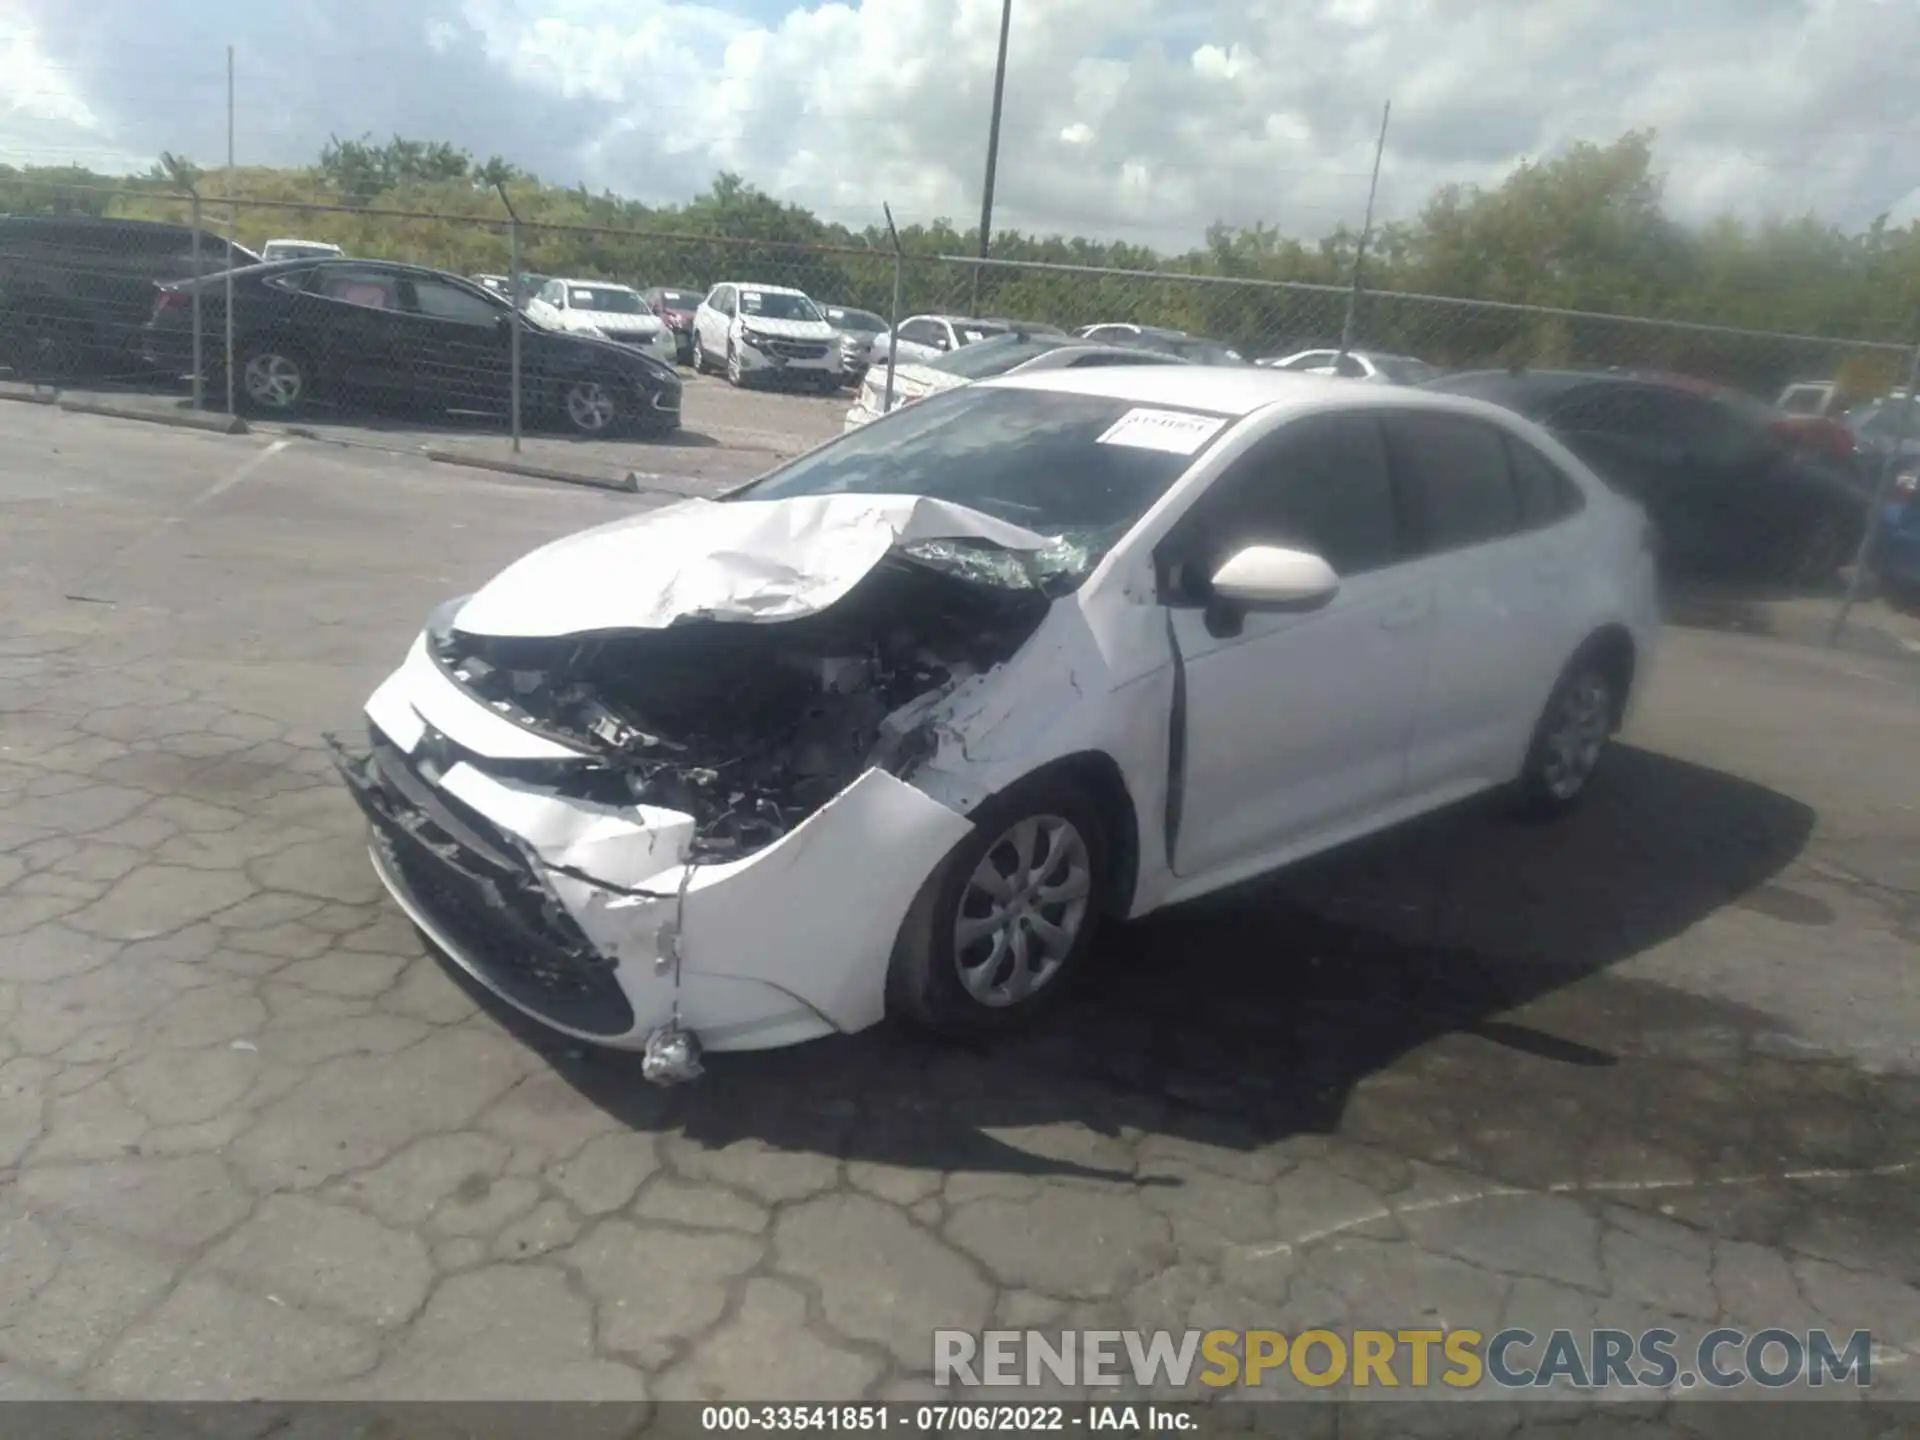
[[1079, 468]]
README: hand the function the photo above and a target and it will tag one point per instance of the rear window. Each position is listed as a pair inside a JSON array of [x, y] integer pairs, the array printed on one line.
[[995, 356]]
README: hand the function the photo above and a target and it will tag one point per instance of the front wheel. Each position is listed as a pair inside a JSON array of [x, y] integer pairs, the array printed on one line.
[[700, 366], [590, 407], [1816, 551], [1569, 739], [736, 372], [1005, 922]]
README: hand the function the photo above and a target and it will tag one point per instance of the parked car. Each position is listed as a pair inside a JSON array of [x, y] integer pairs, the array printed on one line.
[[856, 329], [75, 291], [613, 312], [300, 250], [1880, 426], [765, 333], [1732, 483], [676, 305], [1381, 369], [1895, 553], [892, 729], [530, 285], [1167, 342], [1016, 354], [364, 331], [927, 337]]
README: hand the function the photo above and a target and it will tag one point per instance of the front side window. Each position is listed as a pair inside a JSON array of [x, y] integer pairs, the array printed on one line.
[[1320, 484], [1454, 470], [439, 301], [920, 332], [1312, 360]]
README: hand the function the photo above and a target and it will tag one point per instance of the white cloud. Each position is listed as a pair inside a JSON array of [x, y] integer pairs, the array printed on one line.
[[1143, 118]]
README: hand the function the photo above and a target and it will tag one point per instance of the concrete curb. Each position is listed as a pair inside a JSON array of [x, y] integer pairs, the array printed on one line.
[[180, 419], [28, 395], [626, 485]]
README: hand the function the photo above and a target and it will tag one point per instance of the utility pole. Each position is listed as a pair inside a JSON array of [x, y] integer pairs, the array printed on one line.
[[993, 147], [233, 229], [1366, 233]]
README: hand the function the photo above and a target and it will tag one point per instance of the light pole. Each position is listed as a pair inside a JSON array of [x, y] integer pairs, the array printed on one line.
[[993, 146]]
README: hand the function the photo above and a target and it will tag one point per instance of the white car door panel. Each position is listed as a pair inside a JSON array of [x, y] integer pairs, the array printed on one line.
[[1501, 604], [1296, 724]]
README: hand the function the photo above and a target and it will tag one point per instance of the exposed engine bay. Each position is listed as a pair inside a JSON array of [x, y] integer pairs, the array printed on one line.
[[752, 727]]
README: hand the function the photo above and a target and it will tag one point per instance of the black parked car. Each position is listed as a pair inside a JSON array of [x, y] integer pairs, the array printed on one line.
[[75, 291], [359, 332], [1731, 484]]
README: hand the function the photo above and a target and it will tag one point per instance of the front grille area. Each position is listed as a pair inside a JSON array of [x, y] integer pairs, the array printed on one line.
[[480, 891], [798, 349]]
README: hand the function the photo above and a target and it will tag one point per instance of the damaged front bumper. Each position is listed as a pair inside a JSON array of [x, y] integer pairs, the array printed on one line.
[[587, 916]]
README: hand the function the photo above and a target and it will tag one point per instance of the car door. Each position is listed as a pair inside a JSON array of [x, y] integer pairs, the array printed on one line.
[[351, 318], [458, 345], [1500, 597], [711, 321], [1296, 724]]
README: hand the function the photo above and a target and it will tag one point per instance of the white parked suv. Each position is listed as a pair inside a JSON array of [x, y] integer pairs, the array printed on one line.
[[766, 332], [890, 730], [613, 312]]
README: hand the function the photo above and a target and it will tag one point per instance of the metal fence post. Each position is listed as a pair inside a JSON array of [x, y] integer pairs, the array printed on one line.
[[893, 320], [1902, 425], [199, 359], [513, 311], [233, 232], [1366, 233]]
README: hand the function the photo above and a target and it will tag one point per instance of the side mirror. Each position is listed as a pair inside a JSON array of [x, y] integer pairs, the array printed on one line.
[[1269, 577]]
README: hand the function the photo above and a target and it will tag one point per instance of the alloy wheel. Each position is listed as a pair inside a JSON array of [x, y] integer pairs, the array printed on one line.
[[735, 373], [1021, 911], [274, 381], [589, 406], [1577, 732]]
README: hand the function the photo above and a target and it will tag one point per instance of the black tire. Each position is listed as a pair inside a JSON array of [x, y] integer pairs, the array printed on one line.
[[1582, 712], [592, 407], [699, 357], [1816, 550], [275, 378], [924, 979], [45, 341], [736, 371]]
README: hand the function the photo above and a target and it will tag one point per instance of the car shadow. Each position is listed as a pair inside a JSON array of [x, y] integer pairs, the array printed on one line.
[[1262, 1013]]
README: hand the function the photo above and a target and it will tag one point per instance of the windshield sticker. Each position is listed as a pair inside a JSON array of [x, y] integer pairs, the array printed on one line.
[[1168, 430], [583, 297]]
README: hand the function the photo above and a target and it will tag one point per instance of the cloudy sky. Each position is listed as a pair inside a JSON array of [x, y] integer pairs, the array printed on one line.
[[1138, 118]]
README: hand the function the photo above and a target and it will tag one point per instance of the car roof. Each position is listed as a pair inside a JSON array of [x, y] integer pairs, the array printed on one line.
[[594, 284], [1231, 390], [756, 285]]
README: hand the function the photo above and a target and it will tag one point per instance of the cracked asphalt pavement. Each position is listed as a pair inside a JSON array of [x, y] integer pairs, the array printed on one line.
[[1657, 1064]]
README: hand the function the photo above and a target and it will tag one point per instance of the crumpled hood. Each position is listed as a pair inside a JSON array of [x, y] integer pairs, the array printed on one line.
[[789, 329], [742, 560]]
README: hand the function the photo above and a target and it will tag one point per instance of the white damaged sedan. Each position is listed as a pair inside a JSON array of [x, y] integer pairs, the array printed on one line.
[[889, 730]]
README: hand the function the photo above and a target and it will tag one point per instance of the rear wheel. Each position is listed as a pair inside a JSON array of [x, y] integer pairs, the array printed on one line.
[[46, 342], [1570, 737], [1003, 925], [1816, 551], [275, 378]]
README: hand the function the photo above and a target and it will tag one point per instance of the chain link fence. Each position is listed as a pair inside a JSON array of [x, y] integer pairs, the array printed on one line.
[[80, 303]]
